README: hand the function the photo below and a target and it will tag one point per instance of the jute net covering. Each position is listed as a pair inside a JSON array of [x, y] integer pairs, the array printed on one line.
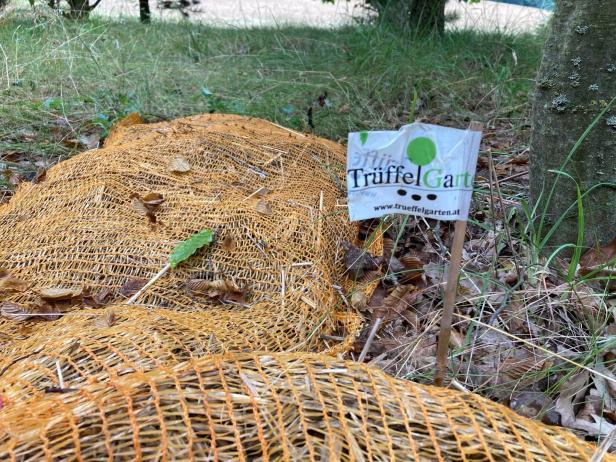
[[275, 407], [83, 376], [269, 194]]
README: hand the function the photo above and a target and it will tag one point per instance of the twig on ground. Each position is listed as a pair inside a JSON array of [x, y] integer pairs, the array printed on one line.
[[604, 447], [60, 376], [159, 275], [368, 343]]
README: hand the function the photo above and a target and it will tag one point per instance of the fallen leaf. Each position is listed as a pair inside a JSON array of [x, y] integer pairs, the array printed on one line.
[[530, 403], [396, 302], [359, 300], [224, 290], [262, 192], [344, 109], [187, 248], [85, 141], [358, 261], [10, 283], [90, 300], [147, 205], [132, 286], [14, 311], [139, 206], [263, 208], [40, 176], [178, 165], [413, 269], [152, 200], [54, 294], [107, 319], [228, 243], [48, 311], [11, 177], [602, 262]]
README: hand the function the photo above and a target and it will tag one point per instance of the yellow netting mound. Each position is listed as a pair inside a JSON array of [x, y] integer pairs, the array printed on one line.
[[275, 407], [271, 195], [172, 378]]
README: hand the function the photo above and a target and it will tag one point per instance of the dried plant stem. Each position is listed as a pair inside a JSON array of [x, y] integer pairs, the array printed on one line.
[[60, 376], [604, 447], [540, 348], [450, 298], [155, 278], [373, 332]]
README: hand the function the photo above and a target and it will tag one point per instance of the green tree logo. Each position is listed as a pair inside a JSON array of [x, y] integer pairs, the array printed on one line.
[[421, 151]]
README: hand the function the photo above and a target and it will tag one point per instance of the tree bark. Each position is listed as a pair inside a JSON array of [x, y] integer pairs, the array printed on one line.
[[419, 16], [144, 11], [79, 9], [576, 81]]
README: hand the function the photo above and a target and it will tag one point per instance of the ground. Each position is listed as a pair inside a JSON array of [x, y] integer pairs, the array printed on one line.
[[520, 321], [487, 15]]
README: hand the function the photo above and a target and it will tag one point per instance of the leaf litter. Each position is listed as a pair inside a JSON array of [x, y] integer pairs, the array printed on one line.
[[533, 322]]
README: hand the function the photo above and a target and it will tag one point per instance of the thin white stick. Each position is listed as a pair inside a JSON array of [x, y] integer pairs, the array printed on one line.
[[364, 352], [604, 447], [538, 347], [159, 275], [59, 371]]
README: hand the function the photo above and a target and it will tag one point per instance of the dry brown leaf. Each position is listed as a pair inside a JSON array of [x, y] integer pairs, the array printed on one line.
[[456, 339], [54, 294], [262, 192], [601, 260], [48, 311], [388, 247], [358, 261], [40, 176], [132, 286], [90, 300], [14, 311], [138, 205], [413, 269], [153, 200], [531, 403], [107, 319], [10, 283], [263, 208], [84, 142], [223, 290], [359, 300], [147, 205], [369, 277], [11, 177], [228, 243], [396, 302], [178, 165]]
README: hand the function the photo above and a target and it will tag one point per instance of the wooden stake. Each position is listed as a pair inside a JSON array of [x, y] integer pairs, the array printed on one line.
[[450, 298]]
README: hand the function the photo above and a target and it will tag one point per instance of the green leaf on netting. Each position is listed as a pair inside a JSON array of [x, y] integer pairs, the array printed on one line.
[[185, 249]]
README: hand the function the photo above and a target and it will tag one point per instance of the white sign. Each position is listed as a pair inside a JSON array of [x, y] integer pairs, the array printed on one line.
[[421, 169]]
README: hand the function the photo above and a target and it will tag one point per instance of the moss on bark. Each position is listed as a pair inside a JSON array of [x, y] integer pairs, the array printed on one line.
[[576, 81]]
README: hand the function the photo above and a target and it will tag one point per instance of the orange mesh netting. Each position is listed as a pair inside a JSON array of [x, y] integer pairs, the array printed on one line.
[[275, 407], [271, 194], [91, 379]]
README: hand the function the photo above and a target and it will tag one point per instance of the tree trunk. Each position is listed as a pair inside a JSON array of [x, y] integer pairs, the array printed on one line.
[[576, 81], [144, 11], [418, 16], [79, 9]]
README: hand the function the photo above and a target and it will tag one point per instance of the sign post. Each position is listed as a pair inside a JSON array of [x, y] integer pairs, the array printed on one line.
[[423, 170]]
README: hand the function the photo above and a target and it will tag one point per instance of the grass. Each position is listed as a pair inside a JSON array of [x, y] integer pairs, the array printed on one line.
[[61, 80]]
